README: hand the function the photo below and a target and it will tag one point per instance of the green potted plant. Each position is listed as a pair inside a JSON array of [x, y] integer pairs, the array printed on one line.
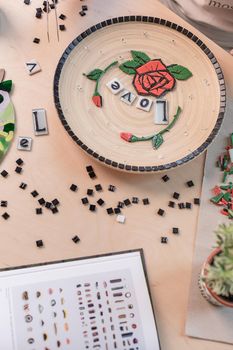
[[216, 278]]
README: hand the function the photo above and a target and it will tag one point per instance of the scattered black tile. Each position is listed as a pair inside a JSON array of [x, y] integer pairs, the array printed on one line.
[[38, 211], [145, 201], [23, 185], [98, 188], [100, 201], [3, 204], [120, 204], [62, 17], [82, 13], [34, 193], [127, 202], [27, 2], [48, 205], [135, 200], [38, 15], [5, 216], [39, 9], [54, 210], [19, 161], [117, 210], [190, 183], [196, 201], [73, 187], [41, 201], [109, 211], [92, 207], [62, 27], [55, 202], [4, 173], [52, 6], [160, 212], [46, 9], [165, 178], [18, 169], [39, 243], [175, 230], [111, 188], [164, 239], [84, 7], [76, 239], [36, 40], [188, 205], [176, 195], [171, 204], [85, 200], [92, 174], [89, 168], [181, 205], [90, 192]]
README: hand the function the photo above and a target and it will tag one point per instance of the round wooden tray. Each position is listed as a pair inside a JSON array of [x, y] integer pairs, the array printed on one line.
[[97, 130]]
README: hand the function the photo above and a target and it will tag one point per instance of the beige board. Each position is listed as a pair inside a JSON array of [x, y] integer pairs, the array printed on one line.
[[205, 320], [99, 128]]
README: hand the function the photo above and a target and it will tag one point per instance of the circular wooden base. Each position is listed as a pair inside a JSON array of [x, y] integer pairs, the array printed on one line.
[[97, 130]]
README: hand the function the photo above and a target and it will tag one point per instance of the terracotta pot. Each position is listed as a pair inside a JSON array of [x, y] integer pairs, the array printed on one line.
[[208, 293]]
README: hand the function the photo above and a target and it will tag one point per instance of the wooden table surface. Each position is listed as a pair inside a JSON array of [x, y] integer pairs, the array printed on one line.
[[56, 162]]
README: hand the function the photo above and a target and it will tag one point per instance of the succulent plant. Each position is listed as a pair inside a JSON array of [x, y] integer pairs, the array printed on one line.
[[219, 275]]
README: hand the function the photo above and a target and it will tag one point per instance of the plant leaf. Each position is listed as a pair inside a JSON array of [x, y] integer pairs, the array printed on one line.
[[157, 141], [129, 67], [94, 74], [140, 57], [179, 72], [6, 85]]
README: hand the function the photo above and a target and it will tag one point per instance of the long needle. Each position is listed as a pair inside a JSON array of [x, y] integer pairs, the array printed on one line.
[[55, 8], [47, 19], [2, 74]]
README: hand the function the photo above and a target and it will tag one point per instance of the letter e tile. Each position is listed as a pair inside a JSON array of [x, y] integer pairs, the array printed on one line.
[[115, 86]]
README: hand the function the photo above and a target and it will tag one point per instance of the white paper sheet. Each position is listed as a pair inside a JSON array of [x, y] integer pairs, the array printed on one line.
[[93, 303]]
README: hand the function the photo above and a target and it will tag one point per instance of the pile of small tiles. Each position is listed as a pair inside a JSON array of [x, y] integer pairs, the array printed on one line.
[[46, 8], [117, 209], [223, 194]]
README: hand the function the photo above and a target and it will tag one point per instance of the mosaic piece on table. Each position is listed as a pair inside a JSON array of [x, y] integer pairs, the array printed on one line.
[[157, 139], [153, 77]]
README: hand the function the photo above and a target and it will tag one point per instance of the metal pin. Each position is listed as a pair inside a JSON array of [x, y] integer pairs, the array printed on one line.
[[47, 19], [55, 328], [117, 280], [56, 17], [125, 335], [2, 74], [117, 288]]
